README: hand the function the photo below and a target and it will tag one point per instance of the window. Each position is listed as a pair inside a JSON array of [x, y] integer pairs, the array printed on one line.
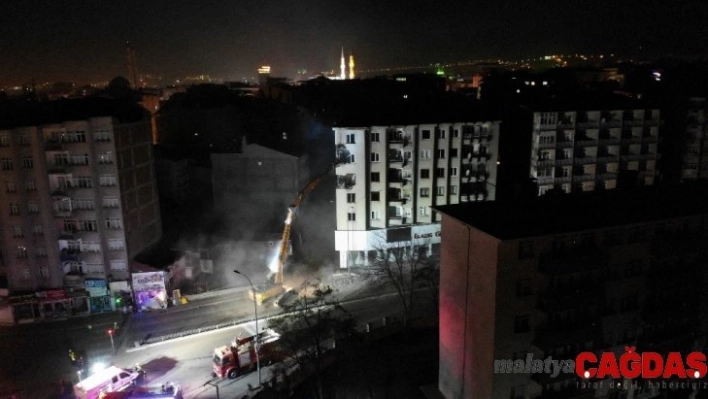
[[375, 215], [77, 137], [453, 172], [4, 140], [441, 154], [352, 158], [440, 191], [27, 162], [523, 287], [521, 324], [425, 173], [102, 136], [14, 209], [85, 181], [24, 139], [455, 133], [426, 134], [10, 187], [43, 272], [79, 159], [7, 164], [110, 180], [453, 190], [375, 196], [69, 226], [88, 225], [118, 264], [350, 139], [83, 203], [37, 230], [110, 202], [374, 137], [425, 192], [30, 186], [40, 251], [424, 154], [526, 249], [115, 245], [407, 154], [453, 152], [375, 177], [113, 223], [32, 207], [105, 158], [351, 198], [440, 172], [22, 254], [351, 216], [423, 211], [440, 134], [17, 231], [374, 157]]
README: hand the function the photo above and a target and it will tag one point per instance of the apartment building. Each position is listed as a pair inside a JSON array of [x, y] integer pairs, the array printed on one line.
[[78, 202], [391, 176], [559, 276], [587, 150], [694, 152]]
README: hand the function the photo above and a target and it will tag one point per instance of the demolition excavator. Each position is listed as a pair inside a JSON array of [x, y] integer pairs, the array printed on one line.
[[274, 286]]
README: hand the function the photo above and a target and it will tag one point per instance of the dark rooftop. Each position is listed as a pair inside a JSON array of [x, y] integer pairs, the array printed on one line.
[[22, 113], [566, 213]]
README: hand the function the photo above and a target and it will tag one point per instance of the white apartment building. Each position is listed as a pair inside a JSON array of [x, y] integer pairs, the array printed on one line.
[[78, 200], [586, 150], [393, 174]]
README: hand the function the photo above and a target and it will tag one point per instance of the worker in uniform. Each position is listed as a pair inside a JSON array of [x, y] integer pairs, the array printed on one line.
[[72, 356]]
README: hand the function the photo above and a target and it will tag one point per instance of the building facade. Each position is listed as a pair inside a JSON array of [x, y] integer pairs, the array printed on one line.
[[390, 176], [554, 279], [80, 202], [581, 150], [694, 154]]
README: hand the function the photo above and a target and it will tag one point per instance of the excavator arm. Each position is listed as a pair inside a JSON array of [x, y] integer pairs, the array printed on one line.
[[285, 239]]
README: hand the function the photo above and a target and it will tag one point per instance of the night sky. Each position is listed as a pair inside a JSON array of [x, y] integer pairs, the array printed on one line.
[[84, 40]]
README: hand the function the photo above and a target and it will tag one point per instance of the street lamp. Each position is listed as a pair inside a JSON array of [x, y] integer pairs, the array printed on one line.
[[255, 310], [113, 346]]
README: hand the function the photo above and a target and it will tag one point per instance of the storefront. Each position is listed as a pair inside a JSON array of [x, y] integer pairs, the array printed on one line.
[[25, 308], [149, 290], [54, 304], [99, 298]]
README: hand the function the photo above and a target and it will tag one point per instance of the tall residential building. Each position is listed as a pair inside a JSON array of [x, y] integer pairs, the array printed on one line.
[[694, 152], [587, 150], [392, 175], [557, 276], [79, 202]]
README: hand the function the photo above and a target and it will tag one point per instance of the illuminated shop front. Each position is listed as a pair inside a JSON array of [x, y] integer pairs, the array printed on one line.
[[149, 290]]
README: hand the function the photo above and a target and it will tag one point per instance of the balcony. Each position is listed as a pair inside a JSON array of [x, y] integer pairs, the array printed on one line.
[[611, 123], [395, 159], [584, 160], [53, 145], [633, 122], [583, 177], [546, 162], [585, 141]]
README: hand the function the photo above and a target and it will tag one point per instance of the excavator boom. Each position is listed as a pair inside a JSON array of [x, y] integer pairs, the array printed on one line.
[[285, 239]]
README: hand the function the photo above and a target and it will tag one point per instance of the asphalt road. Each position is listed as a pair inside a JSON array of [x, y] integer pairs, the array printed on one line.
[[34, 358]]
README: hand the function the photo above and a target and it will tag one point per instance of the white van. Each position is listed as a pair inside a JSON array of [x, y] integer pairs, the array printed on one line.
[[108, 380]]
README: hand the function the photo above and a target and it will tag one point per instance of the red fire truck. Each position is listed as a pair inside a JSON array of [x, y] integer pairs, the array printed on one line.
[[239, 358]]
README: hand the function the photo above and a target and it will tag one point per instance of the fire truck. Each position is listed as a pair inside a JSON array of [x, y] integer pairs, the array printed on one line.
[[239, 357]]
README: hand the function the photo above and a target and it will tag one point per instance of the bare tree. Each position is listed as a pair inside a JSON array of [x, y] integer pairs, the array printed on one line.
[[309, 329], [408, 267]]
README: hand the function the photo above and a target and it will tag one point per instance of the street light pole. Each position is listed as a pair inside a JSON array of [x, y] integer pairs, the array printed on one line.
[[110, 333], [255, 311]]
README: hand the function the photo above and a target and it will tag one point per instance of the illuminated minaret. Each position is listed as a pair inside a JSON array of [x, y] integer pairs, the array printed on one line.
[[351, 66], [343, 66]]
